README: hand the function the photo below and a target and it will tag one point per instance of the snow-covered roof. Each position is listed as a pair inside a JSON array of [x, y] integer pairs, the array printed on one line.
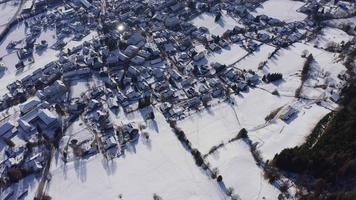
[[46, 116], [29, 104], [8, 126]]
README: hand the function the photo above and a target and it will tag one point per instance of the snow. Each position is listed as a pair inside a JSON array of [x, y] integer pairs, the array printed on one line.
[[42, 58], [239, 171], [325, 63], [216, 28], [285, 10], [280, 135], [252, 61], [226, 56], [222, 122], [7, 12], [160, 166], [332, 35]]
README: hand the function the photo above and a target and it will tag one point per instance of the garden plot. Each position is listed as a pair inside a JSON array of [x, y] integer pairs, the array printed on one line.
[[159, 165], [216, 28], [236, 164], [285, 10]]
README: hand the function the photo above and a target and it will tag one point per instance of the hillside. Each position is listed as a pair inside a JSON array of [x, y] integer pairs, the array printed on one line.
[[327, 165]]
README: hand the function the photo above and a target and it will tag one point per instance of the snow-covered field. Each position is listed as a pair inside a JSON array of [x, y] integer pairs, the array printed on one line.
[[277, 136], [222, 122], [226, 56], [331, 35], [285, 10], [216, 28], [160, 165], [7, 12], [252, 61], [236, 164]]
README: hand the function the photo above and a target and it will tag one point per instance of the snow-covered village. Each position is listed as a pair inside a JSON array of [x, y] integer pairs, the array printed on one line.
[[177, 100]]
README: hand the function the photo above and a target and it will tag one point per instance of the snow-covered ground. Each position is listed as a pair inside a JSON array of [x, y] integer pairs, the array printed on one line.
[[325, 62], [7, 12], [10, 58], [222, 122], [253, 60], [332, 35], [277, 136], [226, 56], [285, 10], [236, 164], [216, 28], [160, 165]]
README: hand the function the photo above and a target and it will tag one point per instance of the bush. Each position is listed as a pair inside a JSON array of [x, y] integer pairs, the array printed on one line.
[[230, 191], [214, 173], [156, 197], [275, 92]]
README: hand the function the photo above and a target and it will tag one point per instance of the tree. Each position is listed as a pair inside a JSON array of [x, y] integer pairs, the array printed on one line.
[[14, 174], [243, 133], [219, 179], [218, 17]]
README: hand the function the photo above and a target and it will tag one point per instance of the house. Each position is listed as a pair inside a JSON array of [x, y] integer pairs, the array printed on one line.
[[47, 118], [288, 113], [109, 142], [198, 56], [137, 60], [252, 78], [135, 38], [24, 53], [7, 129], [93, 104], [7, 193], [79, 73], [131, 51], [194, 102], [56, 89], [29, 105]]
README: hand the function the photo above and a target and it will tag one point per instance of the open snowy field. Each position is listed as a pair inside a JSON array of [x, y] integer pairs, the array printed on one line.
[[325, 64], [277, 136], [236, 164], [253, 60], [7, 12], [222, 122], [216, 28], [226, 56], [160, 165], [332, 35], [285, 10]]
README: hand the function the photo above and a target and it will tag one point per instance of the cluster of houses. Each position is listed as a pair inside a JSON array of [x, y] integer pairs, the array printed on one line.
[[146, 53], [23, 149]]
